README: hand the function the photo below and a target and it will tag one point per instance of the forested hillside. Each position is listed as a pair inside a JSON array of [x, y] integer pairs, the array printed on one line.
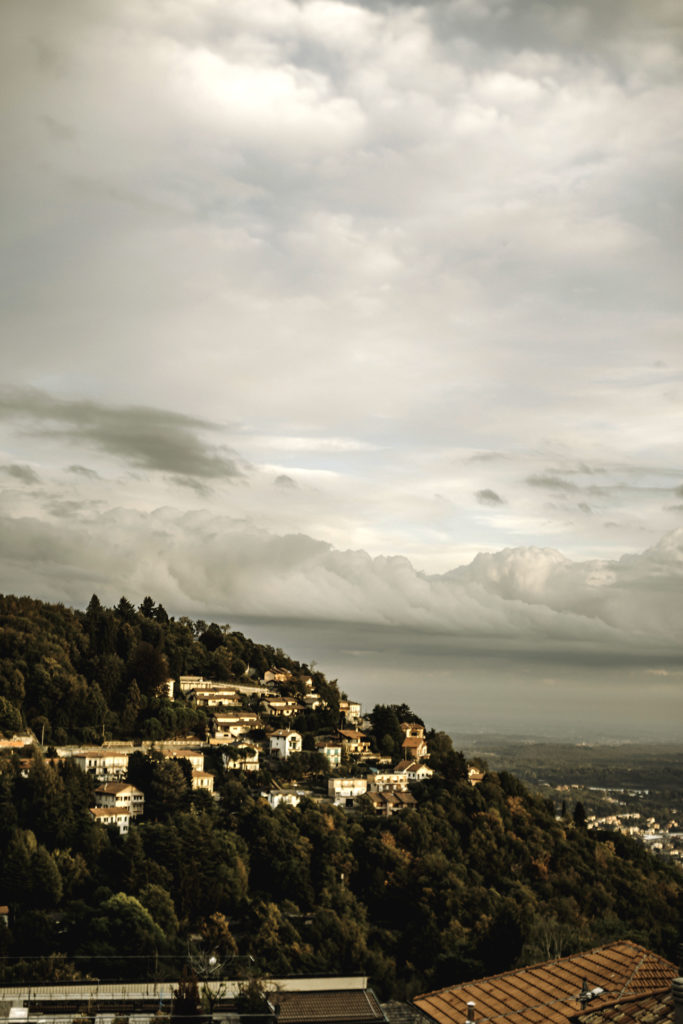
[[469, 880]]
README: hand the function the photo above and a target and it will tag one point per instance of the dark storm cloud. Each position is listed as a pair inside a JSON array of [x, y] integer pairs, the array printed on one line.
[[145, 437], [23, 473], [489, 497]]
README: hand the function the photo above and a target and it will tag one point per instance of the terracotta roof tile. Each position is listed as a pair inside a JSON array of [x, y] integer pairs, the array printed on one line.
[[649, 1008], [548, 992]]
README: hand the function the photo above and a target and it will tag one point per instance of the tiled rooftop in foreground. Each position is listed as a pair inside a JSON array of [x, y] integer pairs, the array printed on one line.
[[548, 993]]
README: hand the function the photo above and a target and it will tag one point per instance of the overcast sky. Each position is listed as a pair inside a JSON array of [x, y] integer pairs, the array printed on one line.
[[358, 313]]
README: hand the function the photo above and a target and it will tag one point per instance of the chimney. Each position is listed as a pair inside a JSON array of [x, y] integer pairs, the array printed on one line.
[[469, 1019], [678, 1000]]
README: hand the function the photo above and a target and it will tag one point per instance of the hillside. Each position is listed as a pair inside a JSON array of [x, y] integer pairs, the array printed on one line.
[[444, 882]]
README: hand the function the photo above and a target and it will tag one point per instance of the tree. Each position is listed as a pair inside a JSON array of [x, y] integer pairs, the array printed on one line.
[[579, 815], [186, 997], [10, 717]]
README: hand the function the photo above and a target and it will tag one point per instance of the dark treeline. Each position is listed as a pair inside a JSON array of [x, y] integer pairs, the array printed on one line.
[[78, 677], [471, 881]]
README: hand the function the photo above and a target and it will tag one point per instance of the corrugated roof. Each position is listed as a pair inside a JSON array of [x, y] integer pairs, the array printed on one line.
[[548, 992], [359, 1006]]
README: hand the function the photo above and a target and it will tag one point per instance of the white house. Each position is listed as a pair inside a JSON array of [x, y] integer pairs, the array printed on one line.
[[195, 757], [378, 782], [242, 759], [284, 742], [106, 765], [345, 791], [283, 707], [234, 723], [415, 771], [122, 796], [289, 797], [351, 710], [188, 683], [112, 816], [202, 780]]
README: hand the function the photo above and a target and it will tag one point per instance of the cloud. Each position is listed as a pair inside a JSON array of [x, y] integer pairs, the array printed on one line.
[[84, 471], [552, 483], [145, 437], [518, 598], [285, 481], [489, 497], [23, 473]]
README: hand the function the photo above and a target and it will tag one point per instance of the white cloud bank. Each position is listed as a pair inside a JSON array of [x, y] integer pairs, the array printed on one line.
[[199, 564]]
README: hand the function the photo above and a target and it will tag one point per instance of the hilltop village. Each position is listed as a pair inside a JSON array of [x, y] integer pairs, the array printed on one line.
[[248, 730], [172, 792]]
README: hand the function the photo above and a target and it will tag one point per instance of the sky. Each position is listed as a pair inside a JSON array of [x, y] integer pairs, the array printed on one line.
[[357, 324]]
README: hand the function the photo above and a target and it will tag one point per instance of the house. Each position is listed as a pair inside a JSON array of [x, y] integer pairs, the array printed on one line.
[[345, 792], [202, 780], [284, 742], [414, 748], [282, 707], [277, 675], [195, 757], [188, 683], [474, 775], [105, 765], [289, 797], [313, 701], [351, 710], [557, 991], [117, 816], [234, 723], [332, 751], [389, 802], [354, 742], [379, 782], [4, 915], [241, 759], [414, 770], [122, 796], [215, 697], [414, 745]]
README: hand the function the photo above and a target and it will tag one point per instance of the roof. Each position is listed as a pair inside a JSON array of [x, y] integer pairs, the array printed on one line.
[[359, 1006], [115, 788], [100, 752], [651, 1008], [403, 1013], [109, 812], [547, 993]]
